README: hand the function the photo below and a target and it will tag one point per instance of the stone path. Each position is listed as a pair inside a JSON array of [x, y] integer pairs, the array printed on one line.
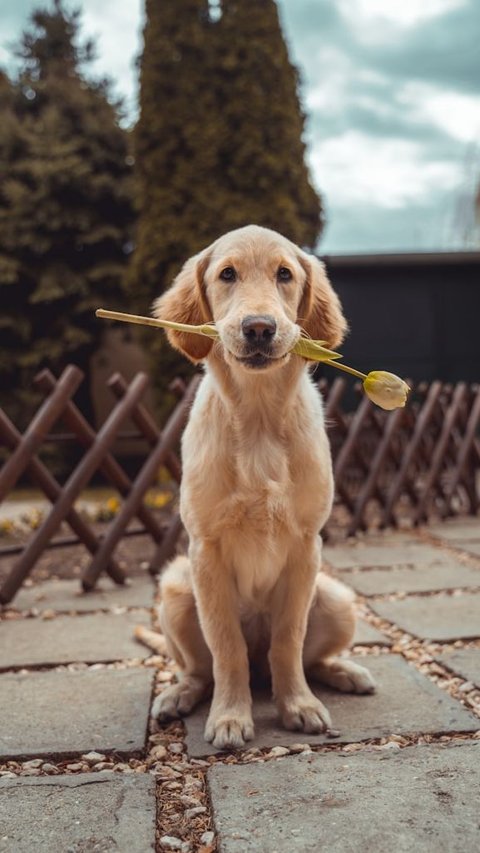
[[89, 812], [406, 703], [416, 799], [437, 617], [80, 772]]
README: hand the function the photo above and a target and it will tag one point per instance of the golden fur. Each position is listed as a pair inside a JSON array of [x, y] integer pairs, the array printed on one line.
[[257, 488]]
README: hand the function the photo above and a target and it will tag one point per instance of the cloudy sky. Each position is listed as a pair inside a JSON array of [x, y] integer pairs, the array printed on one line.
[[392, 91]]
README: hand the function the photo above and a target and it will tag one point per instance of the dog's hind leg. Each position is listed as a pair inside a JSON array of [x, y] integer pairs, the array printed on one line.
[[185, 643], [331, 626]]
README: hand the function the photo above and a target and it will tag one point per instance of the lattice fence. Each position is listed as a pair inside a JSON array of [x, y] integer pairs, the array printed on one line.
[[402, 467], [391, 469], [58, 406]]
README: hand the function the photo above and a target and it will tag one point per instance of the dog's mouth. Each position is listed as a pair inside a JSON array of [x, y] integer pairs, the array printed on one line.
[[260, 360]]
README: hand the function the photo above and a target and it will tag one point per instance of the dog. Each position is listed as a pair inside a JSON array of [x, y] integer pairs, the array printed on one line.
[[257, 488]]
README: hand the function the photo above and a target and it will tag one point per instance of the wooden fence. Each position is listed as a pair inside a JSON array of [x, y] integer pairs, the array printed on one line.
[[402, 467], [391, 468], [23, 458]]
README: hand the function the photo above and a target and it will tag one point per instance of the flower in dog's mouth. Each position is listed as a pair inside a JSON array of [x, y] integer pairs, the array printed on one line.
[[385, 389]]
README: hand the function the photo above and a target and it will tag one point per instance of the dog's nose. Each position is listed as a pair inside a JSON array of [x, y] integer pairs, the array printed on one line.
[[259, 328]]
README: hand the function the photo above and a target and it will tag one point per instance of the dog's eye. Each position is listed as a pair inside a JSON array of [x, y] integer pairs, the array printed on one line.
[[228, 274], [284, 274]]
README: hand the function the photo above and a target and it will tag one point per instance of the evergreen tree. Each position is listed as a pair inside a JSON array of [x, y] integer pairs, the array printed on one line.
[[65, 209], [14, 324], [219, 140], [261, 152]]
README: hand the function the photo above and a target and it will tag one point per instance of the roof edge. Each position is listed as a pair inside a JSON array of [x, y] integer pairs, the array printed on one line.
[[402, 259]]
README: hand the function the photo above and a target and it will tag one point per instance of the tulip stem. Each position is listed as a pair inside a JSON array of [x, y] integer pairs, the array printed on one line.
[[207, 329], [347, 369]]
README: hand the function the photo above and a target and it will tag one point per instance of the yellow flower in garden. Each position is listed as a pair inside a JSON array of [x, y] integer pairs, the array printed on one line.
[[158, 500], [113, 505], [386, 390], [6, 527]]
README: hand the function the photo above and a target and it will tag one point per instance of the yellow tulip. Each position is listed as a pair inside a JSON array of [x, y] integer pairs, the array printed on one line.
[[385, 389]]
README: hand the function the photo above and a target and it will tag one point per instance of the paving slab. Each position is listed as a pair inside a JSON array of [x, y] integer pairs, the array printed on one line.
[[421, 578], [367, 635], [440, 617], [59, 713], [97, 637], [416, 800], [406, 702], [472, 547], [463, 662], [363, 555], [78, 814], [66, 596], [461, 529]]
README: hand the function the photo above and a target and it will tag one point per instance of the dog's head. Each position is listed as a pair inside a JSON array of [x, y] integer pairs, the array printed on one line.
[[261, 291]]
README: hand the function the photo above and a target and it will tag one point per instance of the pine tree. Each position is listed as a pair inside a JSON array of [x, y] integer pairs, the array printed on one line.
[[218, 143], [65, 208]]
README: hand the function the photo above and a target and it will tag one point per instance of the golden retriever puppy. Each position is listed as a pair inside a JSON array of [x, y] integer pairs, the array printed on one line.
[[257, 488]]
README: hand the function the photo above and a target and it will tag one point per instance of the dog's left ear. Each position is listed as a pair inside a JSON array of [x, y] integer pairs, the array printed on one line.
[[320, 312], [186, 302]]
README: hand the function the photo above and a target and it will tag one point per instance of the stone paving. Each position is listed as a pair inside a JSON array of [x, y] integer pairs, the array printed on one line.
[[65, 596], [93, 638], [463, 662], [438, 617], [368, 635], [424, 578], [79, 771], [406, 702], [416, 799], [69, 713], [91, 812]]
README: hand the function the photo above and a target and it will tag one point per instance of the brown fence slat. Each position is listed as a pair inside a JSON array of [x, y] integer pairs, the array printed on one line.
[[434, 471], [38, 429], [412, 450], [76, 482], [52, 490], [392, 424], [350, 447], [109, 466], [168, 438], [166, 549], [464, 453], [145, 423]]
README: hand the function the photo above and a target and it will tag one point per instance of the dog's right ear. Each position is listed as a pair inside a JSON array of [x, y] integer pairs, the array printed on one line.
[[186, 302]]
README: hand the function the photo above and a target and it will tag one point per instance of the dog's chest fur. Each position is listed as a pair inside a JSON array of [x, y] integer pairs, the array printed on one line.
[[254, 482]]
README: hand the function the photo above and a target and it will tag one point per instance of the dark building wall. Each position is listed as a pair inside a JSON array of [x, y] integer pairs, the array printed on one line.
[[415, 315]]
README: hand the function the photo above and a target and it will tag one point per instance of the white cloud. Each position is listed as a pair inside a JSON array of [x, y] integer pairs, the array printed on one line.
[[404, 13], [115, 25], [390, 173], [453, 112], [334, 70], [379, 20]]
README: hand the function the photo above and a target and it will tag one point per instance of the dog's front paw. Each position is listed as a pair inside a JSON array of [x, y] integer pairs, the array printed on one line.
[[178, 699], [305, 714], [230, 730]]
